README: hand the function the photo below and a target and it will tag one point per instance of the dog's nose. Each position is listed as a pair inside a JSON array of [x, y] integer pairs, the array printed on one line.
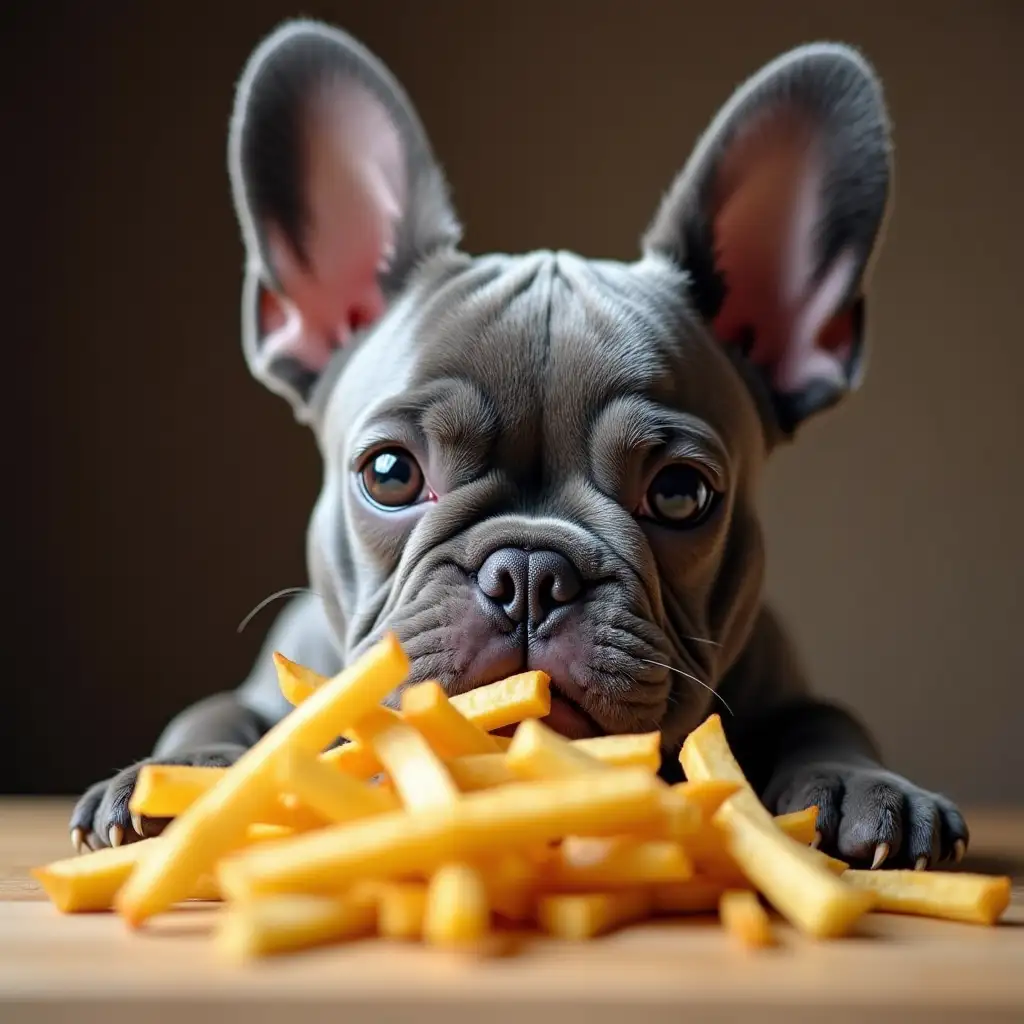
[[529, 584]]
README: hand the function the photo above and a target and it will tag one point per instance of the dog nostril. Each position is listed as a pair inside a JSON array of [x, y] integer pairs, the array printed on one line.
[[503, 580], [554, 582]]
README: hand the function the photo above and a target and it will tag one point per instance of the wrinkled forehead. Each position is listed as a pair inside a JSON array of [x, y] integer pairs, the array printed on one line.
[[537, 358]]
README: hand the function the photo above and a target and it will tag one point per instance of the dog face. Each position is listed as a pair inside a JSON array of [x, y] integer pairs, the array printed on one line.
[[544, 461]]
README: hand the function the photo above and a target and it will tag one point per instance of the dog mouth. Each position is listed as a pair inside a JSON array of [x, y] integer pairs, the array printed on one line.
[[566, 717]]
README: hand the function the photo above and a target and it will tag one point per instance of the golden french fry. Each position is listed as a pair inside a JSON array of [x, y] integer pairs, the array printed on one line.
[[167, 791], [512, 880], [164, 791], [799, 825], [480, 771], [706, 757], [640, 750], [426, 708], [457, 911], [401, 908], [699, 895], [517, 816], [417, 773], [353, 759], [281, 924], [296, 681], [745, 919], [586, 915], [837, 867], [213, 824], [332, 795], [489, 707], [506, 702], [593, 864], [794, 881], [484, 771], [708, 795], [90, 882], [956, 896], [538, 752]]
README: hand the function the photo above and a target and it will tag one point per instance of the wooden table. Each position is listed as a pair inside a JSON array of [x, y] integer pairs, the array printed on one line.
[[88, 968]]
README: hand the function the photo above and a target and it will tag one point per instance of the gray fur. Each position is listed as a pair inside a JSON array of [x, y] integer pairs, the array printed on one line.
[[540, 393]]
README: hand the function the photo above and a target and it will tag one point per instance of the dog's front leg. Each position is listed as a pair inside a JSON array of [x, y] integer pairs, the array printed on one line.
[[800, 752]]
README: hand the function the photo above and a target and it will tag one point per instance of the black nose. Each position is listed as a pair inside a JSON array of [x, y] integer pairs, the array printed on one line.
[[529, 584]]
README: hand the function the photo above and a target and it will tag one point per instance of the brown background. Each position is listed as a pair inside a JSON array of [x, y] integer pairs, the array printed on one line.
[[155, 493]]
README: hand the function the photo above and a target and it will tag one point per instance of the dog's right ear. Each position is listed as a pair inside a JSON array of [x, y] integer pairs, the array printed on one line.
[[338, 195]]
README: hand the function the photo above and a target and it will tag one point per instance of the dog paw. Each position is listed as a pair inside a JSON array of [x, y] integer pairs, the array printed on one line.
[[101, 816], [871, 817]]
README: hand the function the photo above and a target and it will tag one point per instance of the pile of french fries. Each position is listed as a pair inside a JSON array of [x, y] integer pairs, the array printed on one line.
[[425, 826]]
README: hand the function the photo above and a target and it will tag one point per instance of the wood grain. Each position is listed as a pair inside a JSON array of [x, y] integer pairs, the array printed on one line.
[[90, 968]]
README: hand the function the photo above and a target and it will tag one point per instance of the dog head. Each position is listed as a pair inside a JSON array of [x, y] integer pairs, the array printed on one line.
[[545, 461]]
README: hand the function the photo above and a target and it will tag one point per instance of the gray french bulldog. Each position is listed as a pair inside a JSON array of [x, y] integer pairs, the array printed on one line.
[[549, 462]]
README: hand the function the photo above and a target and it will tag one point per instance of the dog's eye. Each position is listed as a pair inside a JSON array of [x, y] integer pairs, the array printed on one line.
[[392, 479], [680, 495]]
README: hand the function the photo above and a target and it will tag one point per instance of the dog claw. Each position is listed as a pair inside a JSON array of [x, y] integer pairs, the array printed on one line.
[[116, 835], [137, 823], [78, 839], [816, 841], [921, 863], [881, 852], [959, 849]]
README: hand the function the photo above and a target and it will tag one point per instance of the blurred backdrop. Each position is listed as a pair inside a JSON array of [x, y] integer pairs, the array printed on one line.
[[155, 493]]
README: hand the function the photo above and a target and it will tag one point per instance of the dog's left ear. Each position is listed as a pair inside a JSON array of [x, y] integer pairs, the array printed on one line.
[[775, 218], [338, 195]]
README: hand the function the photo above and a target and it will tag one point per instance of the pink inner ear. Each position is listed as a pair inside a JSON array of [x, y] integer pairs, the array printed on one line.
[[768, 208], [354, 193]]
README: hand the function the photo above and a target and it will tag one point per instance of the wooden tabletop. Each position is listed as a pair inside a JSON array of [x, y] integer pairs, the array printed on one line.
[[86, 968]]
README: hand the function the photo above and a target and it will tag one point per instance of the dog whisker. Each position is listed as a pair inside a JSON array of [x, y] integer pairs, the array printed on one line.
[[688, 675], [286, 592], [703, 640]]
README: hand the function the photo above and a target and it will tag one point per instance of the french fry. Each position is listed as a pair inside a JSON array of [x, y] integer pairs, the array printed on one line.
[[457, 910], [484, 771], [640, 750], [506, 702], [195, 841], [586, 915], [708, 795], [837, 867], [791, 876], [281, 924], [417, 772], [745, 919], [592, 864], [426, 708], [706, 757], [164, 791], [407, 844], [813, 899], [336, 797], [801, 826], [297, 682], [89, 883], [401, 908], [699, 895], [353, 759], [480, 771], [512, 880], [167, 791], [494, 706], [975, 899], [538, 752]]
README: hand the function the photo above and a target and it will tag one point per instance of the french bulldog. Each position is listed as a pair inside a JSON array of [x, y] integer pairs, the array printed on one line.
[[549, 462]]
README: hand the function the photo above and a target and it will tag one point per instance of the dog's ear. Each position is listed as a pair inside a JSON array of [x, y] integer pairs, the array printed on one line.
[[338, 195], [775, 218]]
